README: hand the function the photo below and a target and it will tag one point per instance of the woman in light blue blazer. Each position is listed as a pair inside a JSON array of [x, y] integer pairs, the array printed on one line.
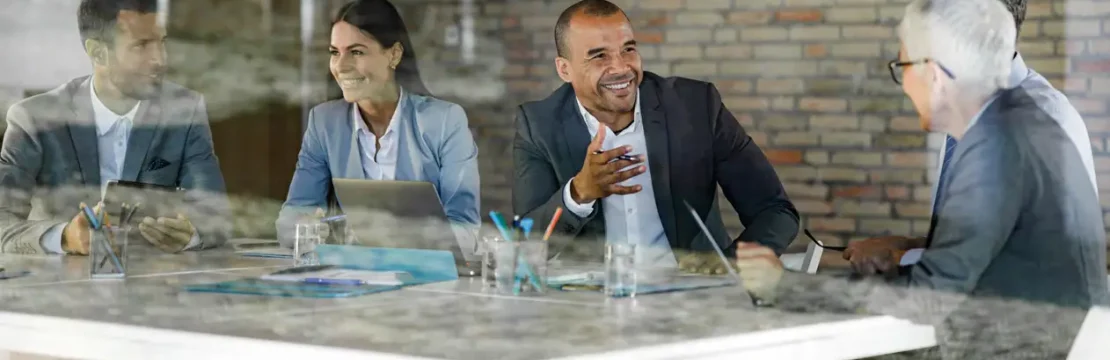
[[386, 127]]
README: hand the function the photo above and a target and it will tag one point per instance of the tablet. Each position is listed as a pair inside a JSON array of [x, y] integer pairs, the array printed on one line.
[[154, 200]]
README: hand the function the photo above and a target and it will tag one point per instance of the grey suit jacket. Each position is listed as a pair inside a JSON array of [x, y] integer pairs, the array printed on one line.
[[694, 144], [1018, 217], [49, 162]]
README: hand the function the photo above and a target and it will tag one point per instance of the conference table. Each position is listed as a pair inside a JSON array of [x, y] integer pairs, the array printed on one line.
[[58, 312]]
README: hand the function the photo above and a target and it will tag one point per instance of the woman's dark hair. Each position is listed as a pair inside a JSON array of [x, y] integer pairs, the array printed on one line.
[[380, 19]]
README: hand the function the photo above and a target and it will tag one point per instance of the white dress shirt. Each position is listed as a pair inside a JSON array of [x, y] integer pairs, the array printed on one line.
[[112, 133], [632, 218], [378, 164]]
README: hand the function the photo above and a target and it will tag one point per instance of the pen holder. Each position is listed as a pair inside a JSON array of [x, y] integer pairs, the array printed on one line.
[[519, 266], [108, 252]]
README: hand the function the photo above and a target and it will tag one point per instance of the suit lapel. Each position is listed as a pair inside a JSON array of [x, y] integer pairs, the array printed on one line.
[[83, 133], [406, 135], [576, 137], [353, 168], [658, 152], [147, 123]]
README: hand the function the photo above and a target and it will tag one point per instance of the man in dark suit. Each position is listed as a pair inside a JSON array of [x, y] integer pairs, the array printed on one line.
[[122, 123], [657, 143]]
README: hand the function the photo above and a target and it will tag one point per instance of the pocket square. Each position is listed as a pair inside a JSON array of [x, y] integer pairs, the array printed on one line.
[[157, 163]]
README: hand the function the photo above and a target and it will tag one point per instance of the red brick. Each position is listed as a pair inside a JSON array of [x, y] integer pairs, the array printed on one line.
[[801, 190], [734, 86], [1100, 66], [784, 156], [749, 17], [745, 119], [808, 16], [658, 20], [649, 37], [850, 207], [816, 51], [510, 22], [862, 192], [1089, 106], [831, 224], [906, 123], [897, 192], [759, 137]]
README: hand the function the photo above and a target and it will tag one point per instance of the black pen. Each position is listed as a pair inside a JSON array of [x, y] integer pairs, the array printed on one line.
[[621, 157]]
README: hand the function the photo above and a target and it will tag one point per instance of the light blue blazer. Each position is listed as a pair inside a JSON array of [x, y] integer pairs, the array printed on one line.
[[434, 144]]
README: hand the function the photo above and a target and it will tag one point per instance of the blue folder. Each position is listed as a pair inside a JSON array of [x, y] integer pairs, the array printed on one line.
[[423, 266]]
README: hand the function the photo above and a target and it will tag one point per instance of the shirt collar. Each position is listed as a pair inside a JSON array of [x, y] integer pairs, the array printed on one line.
[[106, 118], [978, 115], [1018, 71], [592, 123], [360, 124]]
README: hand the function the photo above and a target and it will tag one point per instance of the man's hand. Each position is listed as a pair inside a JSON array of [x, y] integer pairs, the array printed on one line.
[[702, 262], [75, 235], [760, 269], [168, 234], [879, 255], [601, 175]]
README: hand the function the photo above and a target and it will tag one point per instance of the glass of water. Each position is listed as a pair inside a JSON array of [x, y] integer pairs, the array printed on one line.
[[620, 270], [309, 234], [486, 249]]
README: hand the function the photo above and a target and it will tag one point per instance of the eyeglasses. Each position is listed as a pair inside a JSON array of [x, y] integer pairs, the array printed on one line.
[[822, 245], [896, 66]]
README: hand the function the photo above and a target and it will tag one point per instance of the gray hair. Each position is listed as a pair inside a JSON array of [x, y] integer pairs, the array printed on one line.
[[974, 39]]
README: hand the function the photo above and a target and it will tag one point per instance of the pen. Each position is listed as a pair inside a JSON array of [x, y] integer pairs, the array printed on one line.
[[90, 216], [325, 281], [621, 157], [334, 218]]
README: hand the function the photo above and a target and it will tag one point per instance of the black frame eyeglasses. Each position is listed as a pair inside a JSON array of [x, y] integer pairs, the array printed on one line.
[[895, 66]]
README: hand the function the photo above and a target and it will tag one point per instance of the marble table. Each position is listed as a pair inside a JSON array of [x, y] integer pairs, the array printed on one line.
[[59, 312]]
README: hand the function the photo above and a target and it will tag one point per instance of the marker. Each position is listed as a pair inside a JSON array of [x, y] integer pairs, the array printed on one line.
[[551, 226], [526, 225]]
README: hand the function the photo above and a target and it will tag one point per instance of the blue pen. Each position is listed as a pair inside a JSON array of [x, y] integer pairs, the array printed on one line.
[[90, 216], [324, 281], [334, 218]]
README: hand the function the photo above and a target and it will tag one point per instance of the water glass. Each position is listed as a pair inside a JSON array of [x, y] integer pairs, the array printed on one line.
[[108, 252], [486, 250], [620, 270], [520, 266], [309, 233]]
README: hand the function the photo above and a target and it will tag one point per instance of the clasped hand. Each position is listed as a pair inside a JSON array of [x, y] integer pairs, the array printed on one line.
[[168, 234]]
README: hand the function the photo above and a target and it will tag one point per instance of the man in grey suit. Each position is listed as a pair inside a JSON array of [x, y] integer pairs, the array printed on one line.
[[886, 253], [1017, 217], [124, 122]]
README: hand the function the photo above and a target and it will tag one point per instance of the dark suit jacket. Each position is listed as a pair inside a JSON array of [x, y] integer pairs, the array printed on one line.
[[694, 144], [49, 162], [1018, 217]]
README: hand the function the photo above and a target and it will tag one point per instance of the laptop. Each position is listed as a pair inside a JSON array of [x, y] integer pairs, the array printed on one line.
[[414, 204]]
